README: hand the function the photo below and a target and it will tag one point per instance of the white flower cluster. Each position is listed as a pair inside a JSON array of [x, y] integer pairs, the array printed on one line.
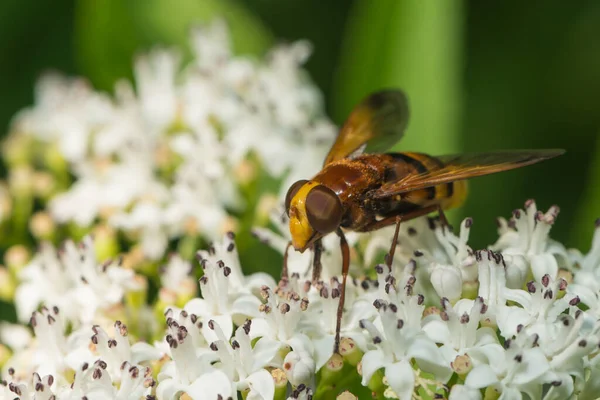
[[167, 158], [519, 320]]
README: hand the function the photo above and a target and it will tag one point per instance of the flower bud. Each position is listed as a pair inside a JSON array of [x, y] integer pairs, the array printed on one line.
[[350, 351], [491, 393], [281, 383], [106, 244], [5, 355], [332, 370], [447, 281], [298, 367], [7, 285], [346, 395], [42, 226], [44, 185], [16, 257], [462, 365], [20, 181], [517, 269], [470, 289]]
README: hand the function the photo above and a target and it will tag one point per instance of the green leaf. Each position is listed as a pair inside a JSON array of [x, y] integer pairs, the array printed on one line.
[[111, 32], [589, 210], [411, 45]]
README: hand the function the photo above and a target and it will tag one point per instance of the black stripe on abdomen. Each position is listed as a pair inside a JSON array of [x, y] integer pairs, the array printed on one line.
[[419, 167], [449, 185]]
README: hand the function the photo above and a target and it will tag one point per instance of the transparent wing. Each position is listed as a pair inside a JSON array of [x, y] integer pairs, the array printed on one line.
[[374, 125], [464, 166]]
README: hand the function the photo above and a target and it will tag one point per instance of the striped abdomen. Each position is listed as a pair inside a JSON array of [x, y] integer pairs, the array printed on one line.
[[448, 195]]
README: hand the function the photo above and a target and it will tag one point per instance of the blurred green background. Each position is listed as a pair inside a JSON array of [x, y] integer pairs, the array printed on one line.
[[480, 75]]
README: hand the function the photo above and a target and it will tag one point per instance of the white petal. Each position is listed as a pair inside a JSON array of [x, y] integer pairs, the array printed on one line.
[[371, 362], [210, 385], [534, 365], [264, 352], [429, 358], [492, 354], [225, 323], [261, 328], [543, 264], [563, 391], [246, 306], [198, 306], [323, 350], [481, 376], [301, 367], [142, 351], [485, 335], [510, 394], [262, 386], [15, 336], [462, 392], [508, 318], [401, 379], [448, 353], [437, 330], [447, 281], [169, 389], [258, 280]]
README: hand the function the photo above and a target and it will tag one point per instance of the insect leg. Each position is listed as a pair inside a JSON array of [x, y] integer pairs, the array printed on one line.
[[390, 256], [345, 267], [443, 219], [284, 270], [442, 215], [317, 267]]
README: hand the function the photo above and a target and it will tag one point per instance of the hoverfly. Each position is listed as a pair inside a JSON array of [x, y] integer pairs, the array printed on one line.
[[362, 189]]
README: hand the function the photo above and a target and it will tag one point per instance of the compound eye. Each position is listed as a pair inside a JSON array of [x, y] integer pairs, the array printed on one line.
[[323, 209], [291, 193]]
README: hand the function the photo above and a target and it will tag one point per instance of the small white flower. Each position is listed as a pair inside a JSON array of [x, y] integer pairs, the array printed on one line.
[[244, 363], [299, 364], [225, 251], [73, 280], [401, 341], [145, 218], [211, 44], [67, 111], [15, 336], [51, 351], [227, 296], [117, 350], [94, 382], [176, 279], [282, 319], [444, 261], [492, 283], [540, 306], [462, 392], [155, 75], [588, 273], [38, 389], [512, 371], [324, 307], [525, 244], [162, 162], [190, 370], [457, 329], [286, 322]]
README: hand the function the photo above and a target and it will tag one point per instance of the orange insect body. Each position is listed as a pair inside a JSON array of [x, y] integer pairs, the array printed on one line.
[[363, 189]]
